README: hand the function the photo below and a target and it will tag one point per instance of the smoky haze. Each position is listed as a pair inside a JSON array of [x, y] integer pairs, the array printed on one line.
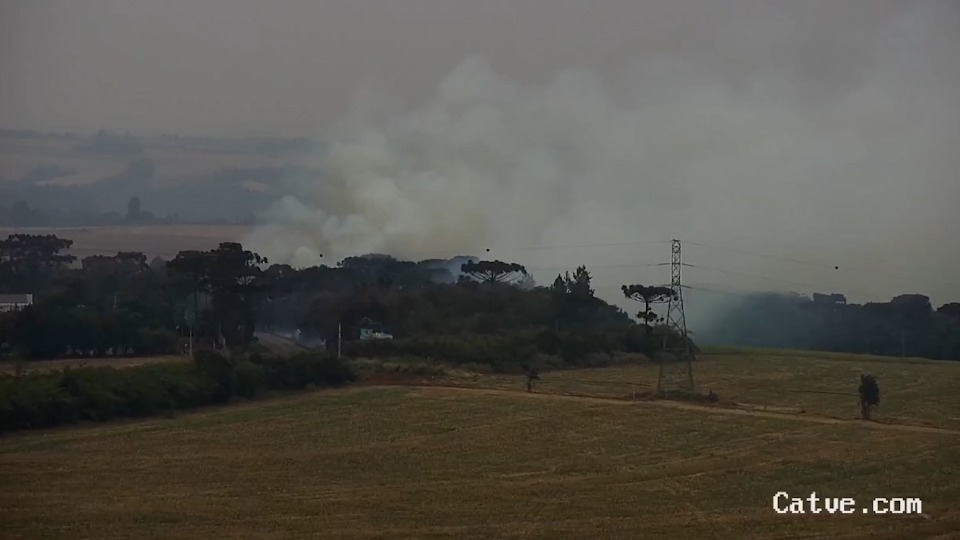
[[818, 131]]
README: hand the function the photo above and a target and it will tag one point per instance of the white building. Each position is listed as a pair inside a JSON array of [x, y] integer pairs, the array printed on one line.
[[366, 333], [15, 302], [373, 330]]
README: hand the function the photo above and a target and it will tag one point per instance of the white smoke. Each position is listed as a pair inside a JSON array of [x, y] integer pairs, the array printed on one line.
[[486, 163], [671, 150]]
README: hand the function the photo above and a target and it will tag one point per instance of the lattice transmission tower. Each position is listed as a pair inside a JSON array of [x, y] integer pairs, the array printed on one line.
[[676, 362]]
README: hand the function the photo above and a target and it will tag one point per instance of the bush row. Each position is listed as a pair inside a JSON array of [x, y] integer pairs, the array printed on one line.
[[102, 393], [515, 352]]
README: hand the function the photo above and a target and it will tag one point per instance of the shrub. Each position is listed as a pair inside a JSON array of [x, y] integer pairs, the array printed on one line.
[[101, 393], [503, 353], [219, 372], [423, 369], [34, 401], [250, 378], [94, 392], [302, 370]]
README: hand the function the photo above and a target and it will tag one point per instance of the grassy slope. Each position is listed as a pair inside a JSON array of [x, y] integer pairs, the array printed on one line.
[[435, 462], [921, 392], [388, 463]]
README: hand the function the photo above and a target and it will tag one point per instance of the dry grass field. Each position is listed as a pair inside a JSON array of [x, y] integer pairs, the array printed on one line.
[[912, 391], [494, 462]]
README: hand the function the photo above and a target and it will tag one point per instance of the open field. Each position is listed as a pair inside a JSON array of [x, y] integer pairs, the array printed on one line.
[[49, 365], [152, 240], [483, 459], [377, 462], [915, 391]]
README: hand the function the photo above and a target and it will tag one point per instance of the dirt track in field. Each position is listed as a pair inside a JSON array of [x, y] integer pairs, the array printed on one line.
[[669, 404]]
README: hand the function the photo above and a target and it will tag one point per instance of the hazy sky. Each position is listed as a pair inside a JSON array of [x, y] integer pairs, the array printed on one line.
[[293, 67], [821, 130]]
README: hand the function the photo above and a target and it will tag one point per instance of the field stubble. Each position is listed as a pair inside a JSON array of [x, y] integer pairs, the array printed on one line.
[[375, 462]]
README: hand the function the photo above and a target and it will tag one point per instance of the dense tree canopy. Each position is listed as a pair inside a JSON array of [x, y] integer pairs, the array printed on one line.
[[29, 261], [493, 271], [120, 304]]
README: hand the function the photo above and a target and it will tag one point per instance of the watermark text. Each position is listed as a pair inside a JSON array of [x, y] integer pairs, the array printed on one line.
[[785, 503]]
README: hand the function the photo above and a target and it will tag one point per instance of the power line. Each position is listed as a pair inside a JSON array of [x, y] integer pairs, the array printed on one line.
[[753, 276], [447, 254], [767, 278], [676, 319], [591, 267], [823, 265], [535, 268], [494, 249], [598, 244], [766, 256], [728, 292], [563, 267]]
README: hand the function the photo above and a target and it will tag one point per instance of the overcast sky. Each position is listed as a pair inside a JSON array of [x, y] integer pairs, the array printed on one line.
[[292, 67], [824, 130]]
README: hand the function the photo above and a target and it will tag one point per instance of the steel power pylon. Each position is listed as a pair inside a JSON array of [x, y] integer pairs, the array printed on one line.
[[676, 362]]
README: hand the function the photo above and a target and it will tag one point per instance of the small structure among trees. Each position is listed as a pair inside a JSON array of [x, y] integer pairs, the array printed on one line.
[[869, 395]]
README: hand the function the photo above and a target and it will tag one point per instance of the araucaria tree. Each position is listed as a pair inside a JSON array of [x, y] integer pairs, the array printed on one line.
[[647, 295], [494, 271], [228, 275], [869, 395]]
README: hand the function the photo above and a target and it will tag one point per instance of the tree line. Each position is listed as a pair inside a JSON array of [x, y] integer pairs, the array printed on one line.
[[123, 304], [907, 325]]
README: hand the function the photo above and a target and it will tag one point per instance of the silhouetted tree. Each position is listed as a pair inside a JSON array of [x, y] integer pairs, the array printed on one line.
[[27, 261], [579, 284], [869, 395], [559, 286], [493, 271], [229, 274], [648, 295], [951, 310]]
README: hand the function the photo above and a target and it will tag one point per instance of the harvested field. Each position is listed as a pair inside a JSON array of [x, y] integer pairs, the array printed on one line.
[[920, 392], [446, 463], [575, 459]]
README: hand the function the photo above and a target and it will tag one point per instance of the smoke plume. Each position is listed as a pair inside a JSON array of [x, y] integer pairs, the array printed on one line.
[[862, 173]]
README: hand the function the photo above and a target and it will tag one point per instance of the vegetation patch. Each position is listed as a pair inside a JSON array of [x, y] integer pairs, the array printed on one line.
[[47, 399]]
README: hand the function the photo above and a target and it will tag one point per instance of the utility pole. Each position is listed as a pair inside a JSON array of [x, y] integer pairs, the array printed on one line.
[[676, 320], [338, 339]]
